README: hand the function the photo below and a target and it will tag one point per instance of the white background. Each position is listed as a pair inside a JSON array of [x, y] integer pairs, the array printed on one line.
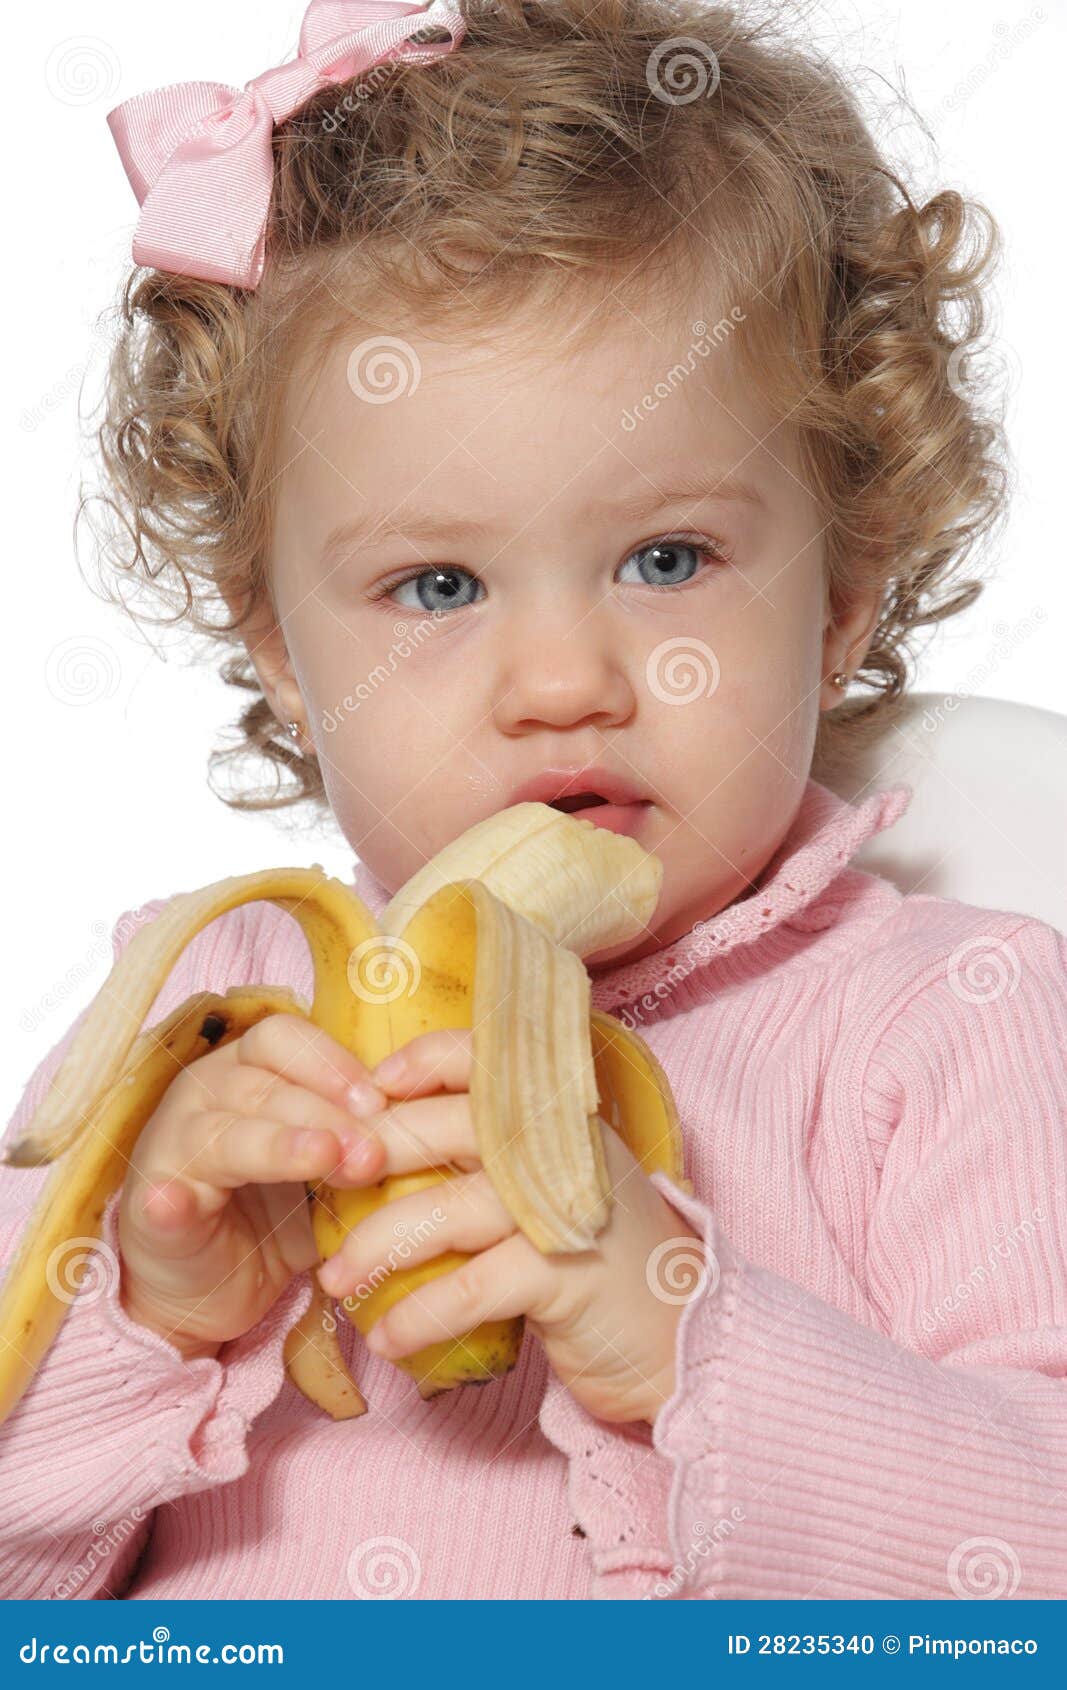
[[110, 803]]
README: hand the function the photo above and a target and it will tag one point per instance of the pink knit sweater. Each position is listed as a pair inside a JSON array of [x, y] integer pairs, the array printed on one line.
[[870, 1397]]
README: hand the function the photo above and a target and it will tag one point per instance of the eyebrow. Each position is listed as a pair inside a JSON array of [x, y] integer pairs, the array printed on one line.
[[426, 526]]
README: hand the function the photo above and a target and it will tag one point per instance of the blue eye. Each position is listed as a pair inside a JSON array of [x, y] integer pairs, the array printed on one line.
[[666, 569], [673, 563], [428, 583]]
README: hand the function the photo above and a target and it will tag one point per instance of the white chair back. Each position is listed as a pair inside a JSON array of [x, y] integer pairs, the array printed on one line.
[[988, 820]]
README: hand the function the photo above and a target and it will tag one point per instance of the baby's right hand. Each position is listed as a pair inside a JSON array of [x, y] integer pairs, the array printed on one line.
[[213, 1219]]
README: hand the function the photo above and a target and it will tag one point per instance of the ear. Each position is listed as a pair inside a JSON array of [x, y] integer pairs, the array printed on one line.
[[846, 640], [266, 647]]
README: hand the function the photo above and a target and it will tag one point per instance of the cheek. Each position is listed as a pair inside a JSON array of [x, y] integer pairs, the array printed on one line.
[[744, 751], [392, 754], [774, 715], [770, 667]]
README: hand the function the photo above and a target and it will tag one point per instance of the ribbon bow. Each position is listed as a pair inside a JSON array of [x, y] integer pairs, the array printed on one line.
[[198, 154]]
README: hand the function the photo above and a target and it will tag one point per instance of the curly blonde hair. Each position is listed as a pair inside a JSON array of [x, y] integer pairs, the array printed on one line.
[[561, 142]]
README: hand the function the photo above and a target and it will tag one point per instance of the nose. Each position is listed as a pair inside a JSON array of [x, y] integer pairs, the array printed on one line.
[[560, 665], [560, 668]]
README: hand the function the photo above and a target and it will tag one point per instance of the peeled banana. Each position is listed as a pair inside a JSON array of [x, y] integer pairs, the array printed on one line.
[[489, 936]]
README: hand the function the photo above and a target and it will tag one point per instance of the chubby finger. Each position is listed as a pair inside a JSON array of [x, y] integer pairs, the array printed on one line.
[[424, 1133], [223, 1150], [464, 1213], [510, 1279], [172, 1217], [437, 1061], [305, 1054]]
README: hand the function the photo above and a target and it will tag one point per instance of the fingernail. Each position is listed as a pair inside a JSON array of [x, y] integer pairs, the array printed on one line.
[[392, 1067], [365, 1098], [331, 1277], [360, 1154]]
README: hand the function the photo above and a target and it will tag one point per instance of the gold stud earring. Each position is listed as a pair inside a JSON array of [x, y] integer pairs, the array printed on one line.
[[840, 680]]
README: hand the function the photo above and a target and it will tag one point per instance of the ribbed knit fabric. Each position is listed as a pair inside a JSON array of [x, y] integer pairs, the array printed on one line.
[[870, 1397]]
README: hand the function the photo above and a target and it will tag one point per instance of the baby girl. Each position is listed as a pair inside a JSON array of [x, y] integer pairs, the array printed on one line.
[[560, 400]]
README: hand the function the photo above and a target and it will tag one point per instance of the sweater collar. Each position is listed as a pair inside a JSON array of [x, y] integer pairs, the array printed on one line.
[[824, 834]]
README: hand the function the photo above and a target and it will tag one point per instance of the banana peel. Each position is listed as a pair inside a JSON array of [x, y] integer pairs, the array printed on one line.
[[488, 935]]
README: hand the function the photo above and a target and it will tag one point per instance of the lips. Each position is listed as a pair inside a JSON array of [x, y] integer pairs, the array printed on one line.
[[591, 783], [591, 794]]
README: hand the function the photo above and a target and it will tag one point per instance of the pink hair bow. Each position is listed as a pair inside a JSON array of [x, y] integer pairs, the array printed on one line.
[[198, 154]]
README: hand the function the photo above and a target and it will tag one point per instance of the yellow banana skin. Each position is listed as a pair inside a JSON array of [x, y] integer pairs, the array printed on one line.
[[631, 1092], [315, 1363], [477, 961], [486, 1353], [335, 922], [36, 1293]]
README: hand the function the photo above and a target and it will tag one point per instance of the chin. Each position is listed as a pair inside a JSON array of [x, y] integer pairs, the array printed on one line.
[[631, 950]]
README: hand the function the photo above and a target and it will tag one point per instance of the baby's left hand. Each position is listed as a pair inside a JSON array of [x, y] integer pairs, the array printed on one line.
[[606, 1324]]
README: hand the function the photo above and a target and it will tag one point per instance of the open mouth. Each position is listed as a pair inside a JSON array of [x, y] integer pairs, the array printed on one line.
[[591, 806], [578, 801]]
